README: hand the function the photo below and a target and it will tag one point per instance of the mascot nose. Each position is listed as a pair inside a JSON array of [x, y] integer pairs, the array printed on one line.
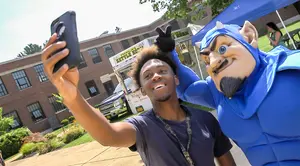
[[215, 60]]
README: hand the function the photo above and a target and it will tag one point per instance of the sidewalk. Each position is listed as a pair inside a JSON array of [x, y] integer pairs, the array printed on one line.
[[92, 154], [89, 154]]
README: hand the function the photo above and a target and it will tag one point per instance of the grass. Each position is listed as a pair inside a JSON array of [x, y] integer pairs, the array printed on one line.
[[263, 41], [200, 107], [124, 116], [82, 140], [13, 156], [56, 132]]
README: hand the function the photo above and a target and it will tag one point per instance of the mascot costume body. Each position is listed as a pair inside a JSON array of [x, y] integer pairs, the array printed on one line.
[[256, 94]]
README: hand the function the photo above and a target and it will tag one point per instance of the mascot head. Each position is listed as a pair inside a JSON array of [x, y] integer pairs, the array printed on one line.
[[230, 54]]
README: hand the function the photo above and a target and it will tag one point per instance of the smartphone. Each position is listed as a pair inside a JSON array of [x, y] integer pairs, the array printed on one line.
[[66, 29]]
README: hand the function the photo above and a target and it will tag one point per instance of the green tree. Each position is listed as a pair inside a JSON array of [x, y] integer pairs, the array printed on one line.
[[187, 9], [30, 49], [5, 123], [44, 44], [217, 6]]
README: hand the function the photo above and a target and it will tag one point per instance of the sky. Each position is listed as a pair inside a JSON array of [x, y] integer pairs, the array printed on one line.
[[28, 21]]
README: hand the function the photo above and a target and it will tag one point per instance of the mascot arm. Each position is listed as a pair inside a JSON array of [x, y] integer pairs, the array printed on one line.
[[185, 74], [199, 93], [191, 88]]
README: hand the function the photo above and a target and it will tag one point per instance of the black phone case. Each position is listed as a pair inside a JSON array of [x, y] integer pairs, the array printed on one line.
[[67, 20]]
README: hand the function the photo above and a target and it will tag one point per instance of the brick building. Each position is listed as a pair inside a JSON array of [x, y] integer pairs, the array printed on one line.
[[26, 93]]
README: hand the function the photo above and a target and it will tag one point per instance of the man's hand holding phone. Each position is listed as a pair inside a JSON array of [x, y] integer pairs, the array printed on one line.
[[65, 79]]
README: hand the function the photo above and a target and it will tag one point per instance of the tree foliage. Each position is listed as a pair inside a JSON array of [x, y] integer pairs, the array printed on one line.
[[187, 9], [5, 123], [30, 49]]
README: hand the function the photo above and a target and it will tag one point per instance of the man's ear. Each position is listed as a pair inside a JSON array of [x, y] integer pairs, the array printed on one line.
[[250, 34], [176, 80], [143, 91]]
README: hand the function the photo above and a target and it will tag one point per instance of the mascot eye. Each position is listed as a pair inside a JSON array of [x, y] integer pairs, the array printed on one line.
[[222, 49]]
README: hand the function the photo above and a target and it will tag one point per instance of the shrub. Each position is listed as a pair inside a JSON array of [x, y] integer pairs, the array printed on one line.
[[35, 138], [21, 132], [28, 149], [10, 143], [55, 144], [50, 136], [72, 134], [43, 147], [71, 119], [65, 122]]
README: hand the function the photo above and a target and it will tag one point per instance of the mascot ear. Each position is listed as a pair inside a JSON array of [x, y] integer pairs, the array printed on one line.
[[198, 44], [250, 34]]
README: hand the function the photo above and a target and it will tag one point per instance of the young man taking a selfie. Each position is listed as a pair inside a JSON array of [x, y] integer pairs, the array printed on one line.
[[169, 134]]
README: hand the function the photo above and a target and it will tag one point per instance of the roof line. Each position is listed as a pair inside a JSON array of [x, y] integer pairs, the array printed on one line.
[[114, 34]]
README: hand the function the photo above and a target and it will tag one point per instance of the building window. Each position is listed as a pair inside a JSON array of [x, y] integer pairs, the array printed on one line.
[[3, 90], [136, 39], [146, 35], [109, 52], [82, 62], [40, 72], [95, 56], [56, 105], [17, 121], [36, 111], [21, 79], [92, 88], [175, 25], [125, 44], [109, 87]]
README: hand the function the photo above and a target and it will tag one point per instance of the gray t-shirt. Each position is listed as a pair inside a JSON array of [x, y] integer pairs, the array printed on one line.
[[158, 147]]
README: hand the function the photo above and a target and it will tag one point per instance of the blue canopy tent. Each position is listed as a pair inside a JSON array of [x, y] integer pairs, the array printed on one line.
[[241, 10]]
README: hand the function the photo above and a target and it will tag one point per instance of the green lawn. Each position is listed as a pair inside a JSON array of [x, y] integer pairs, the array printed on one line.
[[263, 41], [83, 139], [56, 132], [18, 155]]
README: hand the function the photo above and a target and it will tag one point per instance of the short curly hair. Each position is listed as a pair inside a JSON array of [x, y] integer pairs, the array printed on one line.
[[144, 56]]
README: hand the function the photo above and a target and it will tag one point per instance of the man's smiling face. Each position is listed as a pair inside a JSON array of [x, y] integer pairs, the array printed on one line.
[[228, 63], [158, 81]]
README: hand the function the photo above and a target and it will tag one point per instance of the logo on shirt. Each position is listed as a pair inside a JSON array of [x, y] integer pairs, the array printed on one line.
[[205, 133]]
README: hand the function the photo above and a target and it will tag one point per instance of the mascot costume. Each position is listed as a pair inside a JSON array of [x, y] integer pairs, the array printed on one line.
[[254, 93]]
